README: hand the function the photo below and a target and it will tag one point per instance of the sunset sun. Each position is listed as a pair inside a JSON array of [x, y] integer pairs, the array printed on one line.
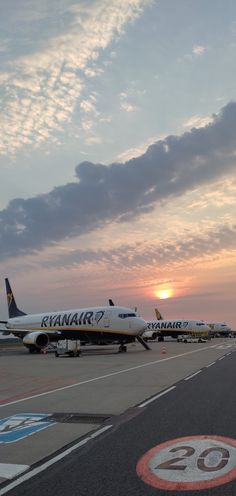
[[163, 294]]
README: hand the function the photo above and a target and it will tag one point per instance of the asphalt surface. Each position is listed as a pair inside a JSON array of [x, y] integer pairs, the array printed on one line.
[[203, 405]]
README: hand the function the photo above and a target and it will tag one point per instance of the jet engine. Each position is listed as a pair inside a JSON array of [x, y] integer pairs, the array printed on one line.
[[36, 340], [149, 335]]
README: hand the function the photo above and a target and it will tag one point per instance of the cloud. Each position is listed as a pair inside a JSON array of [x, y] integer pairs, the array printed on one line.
[[127, 107], [135, 152], [40, 90], [121, 192], [130, 97], [139, 255], [197, 121], [198, 49]]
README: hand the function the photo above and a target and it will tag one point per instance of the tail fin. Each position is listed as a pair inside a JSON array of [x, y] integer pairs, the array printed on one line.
[[158, 314], [13, 310]]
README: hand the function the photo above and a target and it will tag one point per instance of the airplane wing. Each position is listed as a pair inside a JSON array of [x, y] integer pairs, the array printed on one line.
[[4, 332], [53, 335]]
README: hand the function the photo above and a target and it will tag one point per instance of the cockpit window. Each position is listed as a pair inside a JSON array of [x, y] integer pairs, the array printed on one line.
[[126, 315]]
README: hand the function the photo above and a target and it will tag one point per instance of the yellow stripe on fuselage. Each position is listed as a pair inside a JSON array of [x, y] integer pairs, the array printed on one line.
[[45, 329]]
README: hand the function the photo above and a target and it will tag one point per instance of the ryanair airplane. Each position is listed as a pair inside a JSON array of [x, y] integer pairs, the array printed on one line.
[[160, 328], [96, 324]]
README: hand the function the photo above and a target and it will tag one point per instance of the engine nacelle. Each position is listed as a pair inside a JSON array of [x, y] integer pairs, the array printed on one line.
[[38, 339], [149, 335]]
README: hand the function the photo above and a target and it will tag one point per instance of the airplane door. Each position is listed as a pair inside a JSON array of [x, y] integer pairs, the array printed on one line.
[[107, 318]]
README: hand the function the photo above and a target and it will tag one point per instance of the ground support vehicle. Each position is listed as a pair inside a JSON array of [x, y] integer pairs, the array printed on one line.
[[68, 347], [191, 339]]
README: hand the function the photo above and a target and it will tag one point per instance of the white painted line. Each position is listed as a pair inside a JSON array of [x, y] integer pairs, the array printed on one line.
[[157, 396], [50, 462], [210, 364], [193, 375], [10, 470], [222, 358], [100, 431], [148, 364]]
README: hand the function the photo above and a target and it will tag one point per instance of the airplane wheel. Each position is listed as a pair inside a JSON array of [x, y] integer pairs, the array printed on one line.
[[122, 348]]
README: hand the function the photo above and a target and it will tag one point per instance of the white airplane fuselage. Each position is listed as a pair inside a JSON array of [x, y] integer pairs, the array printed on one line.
[[91, 324], [174, 328], [219, 328]]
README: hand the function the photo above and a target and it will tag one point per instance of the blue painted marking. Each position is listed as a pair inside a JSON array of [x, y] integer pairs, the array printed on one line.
[[22, 425]]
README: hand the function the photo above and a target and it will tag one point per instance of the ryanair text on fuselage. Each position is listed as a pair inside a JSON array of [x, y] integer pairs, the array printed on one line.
[[72, 319], [167, 325]]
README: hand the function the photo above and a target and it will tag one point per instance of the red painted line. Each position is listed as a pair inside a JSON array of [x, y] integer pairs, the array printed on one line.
[[145, 473], [41, 389]]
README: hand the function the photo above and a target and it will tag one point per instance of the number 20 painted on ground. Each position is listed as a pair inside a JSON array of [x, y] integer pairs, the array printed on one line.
[[189, 451]]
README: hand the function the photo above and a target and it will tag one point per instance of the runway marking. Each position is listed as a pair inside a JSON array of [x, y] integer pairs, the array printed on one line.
[[50, 462], [52, 391], [210, 364], [193, 375], [224, 346], [22, 425], [156, 397], [10, 470], [189, 463]]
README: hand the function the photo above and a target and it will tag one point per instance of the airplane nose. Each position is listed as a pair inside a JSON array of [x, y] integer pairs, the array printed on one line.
[[140, 325]]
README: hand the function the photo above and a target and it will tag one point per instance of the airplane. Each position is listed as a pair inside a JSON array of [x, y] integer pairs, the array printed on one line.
[[216, 328], [94, 324], [219, 328], [160, 327]]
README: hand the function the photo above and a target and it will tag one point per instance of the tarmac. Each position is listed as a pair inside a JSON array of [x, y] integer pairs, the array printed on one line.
[[113, 407]]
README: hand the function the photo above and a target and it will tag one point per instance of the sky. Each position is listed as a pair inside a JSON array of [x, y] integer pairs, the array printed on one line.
[[118, 155]]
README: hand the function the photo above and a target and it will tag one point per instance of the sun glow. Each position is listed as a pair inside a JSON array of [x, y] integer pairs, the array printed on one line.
[[163, 294]]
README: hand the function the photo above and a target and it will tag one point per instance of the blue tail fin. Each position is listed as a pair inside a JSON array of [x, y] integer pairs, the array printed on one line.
[[13, 310]]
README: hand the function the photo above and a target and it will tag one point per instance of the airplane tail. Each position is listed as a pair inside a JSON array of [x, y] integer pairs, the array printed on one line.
[[158, 314], [13, 310]]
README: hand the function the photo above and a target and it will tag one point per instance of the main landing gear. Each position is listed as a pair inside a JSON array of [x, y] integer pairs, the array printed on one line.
[[122, 348], [33, 349]]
